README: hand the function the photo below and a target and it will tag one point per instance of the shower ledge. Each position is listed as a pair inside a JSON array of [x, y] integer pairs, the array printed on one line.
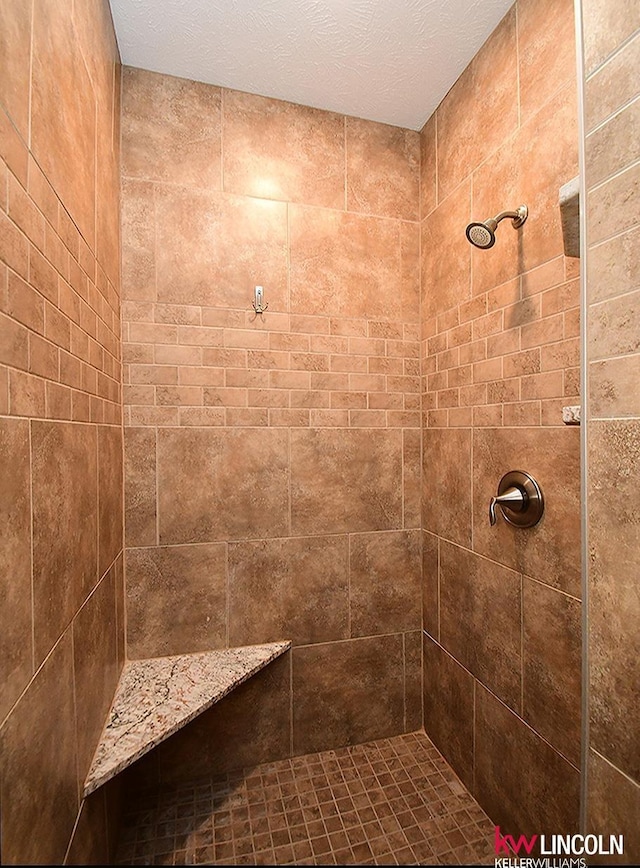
[[156, 697]]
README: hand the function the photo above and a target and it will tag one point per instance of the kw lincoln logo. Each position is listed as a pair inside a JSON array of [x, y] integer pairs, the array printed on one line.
[[555, 851]]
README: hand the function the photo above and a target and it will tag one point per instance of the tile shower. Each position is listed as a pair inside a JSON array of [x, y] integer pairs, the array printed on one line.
[[320, 472]]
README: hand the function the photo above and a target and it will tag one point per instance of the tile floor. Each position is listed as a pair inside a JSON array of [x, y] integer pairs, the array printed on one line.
[[392, 801]]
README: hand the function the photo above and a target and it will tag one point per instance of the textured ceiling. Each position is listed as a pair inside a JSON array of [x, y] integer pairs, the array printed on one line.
[[384, 60]]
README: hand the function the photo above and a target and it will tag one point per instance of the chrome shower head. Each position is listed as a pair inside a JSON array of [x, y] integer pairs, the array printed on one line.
[[483, 235]]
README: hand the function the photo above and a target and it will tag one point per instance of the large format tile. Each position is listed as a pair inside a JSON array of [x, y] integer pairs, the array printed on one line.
[[250, 725], [480, 110], [212, 248], [345, 480], [110, 492], [606, 25], [525, 786], [96, 667], [449, 708], [63, 127], [65, 504], [446, 253], [15, 63], [176, 600], [140, 486], [383, 165], [614, 592], [480, 619], [428, 170], [546, 50], [171, 129], [384, 582], [613, 807], [347, 692], [550, 551], [430, 586], [138, 241], [293, 589], [280, 150], [217, 485], [552, 666], [344, 264], [16, 644], [38, 783], [446, 481]]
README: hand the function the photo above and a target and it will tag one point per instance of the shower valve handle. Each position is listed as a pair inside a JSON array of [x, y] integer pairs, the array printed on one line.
[[515, 498], [520, 498]]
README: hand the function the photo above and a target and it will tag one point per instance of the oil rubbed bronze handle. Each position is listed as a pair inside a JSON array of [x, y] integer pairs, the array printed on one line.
[[520, 499]]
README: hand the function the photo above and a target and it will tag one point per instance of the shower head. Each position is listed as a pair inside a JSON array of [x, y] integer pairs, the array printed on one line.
[[483, 235]]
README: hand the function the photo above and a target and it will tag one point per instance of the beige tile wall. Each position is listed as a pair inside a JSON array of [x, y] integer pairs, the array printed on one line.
[[612, 118], [500, 357], [273, 462], [61, 576]]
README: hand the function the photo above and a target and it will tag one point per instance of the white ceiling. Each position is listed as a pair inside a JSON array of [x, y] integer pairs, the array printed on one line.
[[384, 60]]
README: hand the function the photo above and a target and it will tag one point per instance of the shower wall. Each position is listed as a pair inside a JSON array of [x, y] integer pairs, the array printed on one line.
[[273, 462], [500, 355], [61, 584], [612, 123]]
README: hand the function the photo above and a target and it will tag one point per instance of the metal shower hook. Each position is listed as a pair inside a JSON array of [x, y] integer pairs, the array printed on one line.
[[257, 304]]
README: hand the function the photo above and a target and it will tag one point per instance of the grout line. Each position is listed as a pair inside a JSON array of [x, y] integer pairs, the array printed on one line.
[[588, 75], [629, 167], [614, 114], [32, 588], [521, 644]]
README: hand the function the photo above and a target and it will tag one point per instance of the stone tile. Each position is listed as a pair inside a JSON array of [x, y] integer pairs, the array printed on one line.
[[140, 486], [449, 708], [249, 499], [546, 51], [15, 66], [110, 492], [446, 278], [384, 582], [138, 241], [39, 788], [96, 667], [480, 619], [345, 480], [550, 551], [16, 643], [614, 207], [225, 242], [347, 692], [250, 725], [613, 85], [344, 264], [63, 133], [612, 267], [446, 481], [428, 161], [412, 681], [606, 25], [289, 589], [614, 595], [552, 666], [280, 150], [383, 164], [613, 146], [171, 129], [612, 387], [482, 106], [529, 168], [159, 580], [543, 795], [65, 501], [614, 327], [411, 467], [89, 844], [430, 586], [613, 803]]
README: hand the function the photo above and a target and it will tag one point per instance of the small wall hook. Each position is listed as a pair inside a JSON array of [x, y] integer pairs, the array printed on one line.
[[257, 303]]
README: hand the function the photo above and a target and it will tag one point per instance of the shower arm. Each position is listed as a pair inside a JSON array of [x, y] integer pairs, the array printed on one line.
[[517, 218]]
